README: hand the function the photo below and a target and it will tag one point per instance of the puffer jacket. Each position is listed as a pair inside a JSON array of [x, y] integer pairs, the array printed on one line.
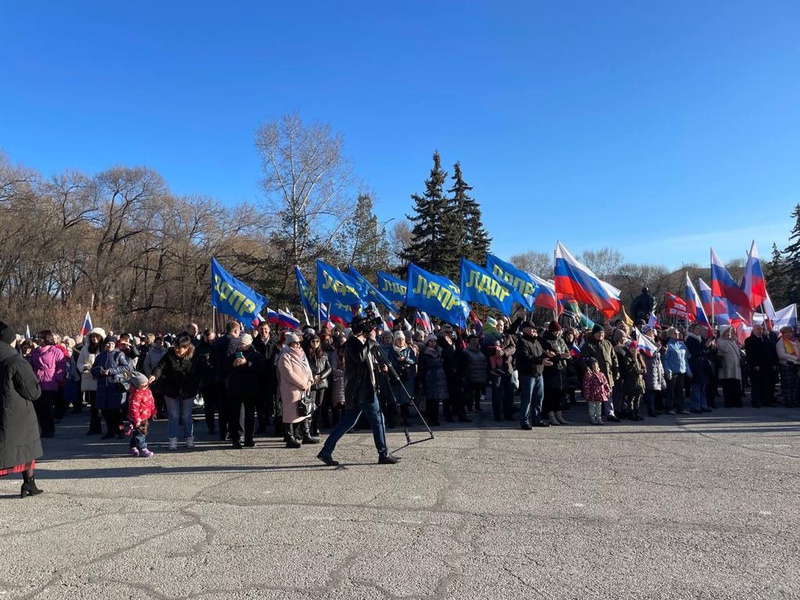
[[633, 368], [432, 374], [50, 366], [654, 374], [178, 376], [476, 365]]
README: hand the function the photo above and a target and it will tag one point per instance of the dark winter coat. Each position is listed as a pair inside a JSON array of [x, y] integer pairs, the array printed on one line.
[[110, 394], [359, 387], [555, 375], [530, 356], [476, 366], [271, 352], [246, 381], [19, 428], [603, 351], [221, 350], [633, 367], [432, 374], [320, 367], [699, 359], [205, 365], [178, 376]]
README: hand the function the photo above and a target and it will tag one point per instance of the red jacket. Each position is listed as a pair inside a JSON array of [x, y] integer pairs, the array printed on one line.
[[595, 387], [141, 405]]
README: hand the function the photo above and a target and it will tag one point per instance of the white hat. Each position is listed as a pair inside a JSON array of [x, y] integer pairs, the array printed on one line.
[[245, 340], [99, 331], [291, 338]]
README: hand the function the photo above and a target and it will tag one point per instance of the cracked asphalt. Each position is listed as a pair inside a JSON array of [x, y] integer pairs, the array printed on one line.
[[675, 507]]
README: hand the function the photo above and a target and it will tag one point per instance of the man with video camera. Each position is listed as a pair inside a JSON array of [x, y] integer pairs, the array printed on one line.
[[360, 391]]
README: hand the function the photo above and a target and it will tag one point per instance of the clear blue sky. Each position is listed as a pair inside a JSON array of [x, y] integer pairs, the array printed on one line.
[[655, 128]]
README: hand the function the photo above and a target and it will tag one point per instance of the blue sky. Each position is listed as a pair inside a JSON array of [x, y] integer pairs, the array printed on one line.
[[656, 128]]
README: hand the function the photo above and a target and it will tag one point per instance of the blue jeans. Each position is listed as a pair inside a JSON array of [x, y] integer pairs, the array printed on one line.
[[502, 395], [373, 414], [138, 440], [699, 396], [179, 408], [531, 395]]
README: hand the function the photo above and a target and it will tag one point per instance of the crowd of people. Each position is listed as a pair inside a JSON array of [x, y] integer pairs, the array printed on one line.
[[301, 382]]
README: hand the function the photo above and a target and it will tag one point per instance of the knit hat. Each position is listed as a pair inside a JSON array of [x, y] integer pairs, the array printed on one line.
[[138, 380], [526, 324], [431, 338], [99, 331], [245, 340], [290, 338], [491, 321], [110, 339], [7, 335], [554, 326], [597, 328]]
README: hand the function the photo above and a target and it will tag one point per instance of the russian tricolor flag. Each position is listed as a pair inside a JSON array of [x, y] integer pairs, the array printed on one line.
[[694, 305], [287, 319], [390, 320], [272, 317], [753, 282], [723, 285], [545, 293], [644, 344], [574, 280], [87, 325]]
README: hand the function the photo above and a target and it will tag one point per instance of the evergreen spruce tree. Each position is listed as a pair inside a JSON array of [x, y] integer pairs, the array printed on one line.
[[791, 262], [431, 209], [472, 239], [773, 275], [367, 241]]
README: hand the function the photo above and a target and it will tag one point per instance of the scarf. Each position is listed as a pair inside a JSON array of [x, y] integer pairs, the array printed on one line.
[[791, 347], [299, 356]]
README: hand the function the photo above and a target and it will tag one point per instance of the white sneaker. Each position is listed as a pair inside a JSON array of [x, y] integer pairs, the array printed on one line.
[[190, 443], [173, 443]]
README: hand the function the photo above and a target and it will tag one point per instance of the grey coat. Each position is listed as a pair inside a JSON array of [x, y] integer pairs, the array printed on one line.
[[19, 428], [729, 357]]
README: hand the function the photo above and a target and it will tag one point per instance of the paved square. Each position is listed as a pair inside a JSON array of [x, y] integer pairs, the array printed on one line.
[[688, 507]]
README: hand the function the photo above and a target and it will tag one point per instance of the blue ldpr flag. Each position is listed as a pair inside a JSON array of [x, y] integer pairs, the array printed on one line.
[[436, 295], [479, 285], [371, 293], [392, 287], [335, 286], [232, 297], [522, 285]]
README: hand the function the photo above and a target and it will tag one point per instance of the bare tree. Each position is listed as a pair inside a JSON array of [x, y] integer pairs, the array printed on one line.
[[604, 262], [532, 261]]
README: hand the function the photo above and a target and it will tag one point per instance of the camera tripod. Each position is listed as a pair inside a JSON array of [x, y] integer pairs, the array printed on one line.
[[383, 361]]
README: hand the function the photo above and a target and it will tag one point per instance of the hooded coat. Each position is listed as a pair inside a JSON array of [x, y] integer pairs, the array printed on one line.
[[109, 394], [19, 428]]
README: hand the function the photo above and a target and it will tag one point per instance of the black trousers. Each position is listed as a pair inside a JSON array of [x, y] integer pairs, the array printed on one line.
[[95, 424], [44, 408], [210, 404], [242, 418], [453, 405], [760, 387], [731, 393]]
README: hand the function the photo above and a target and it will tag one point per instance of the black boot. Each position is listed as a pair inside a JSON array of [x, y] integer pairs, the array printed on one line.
[[305, 428], [29, 488], [291, 435]]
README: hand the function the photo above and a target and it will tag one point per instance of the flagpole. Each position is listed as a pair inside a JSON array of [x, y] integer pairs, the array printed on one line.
[[213, 318]]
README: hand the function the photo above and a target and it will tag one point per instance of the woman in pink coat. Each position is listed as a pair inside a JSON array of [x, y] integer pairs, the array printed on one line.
[[50, 366], [296, 378]]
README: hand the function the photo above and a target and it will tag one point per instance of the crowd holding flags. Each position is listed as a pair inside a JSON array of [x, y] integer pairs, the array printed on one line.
[[339, 296]]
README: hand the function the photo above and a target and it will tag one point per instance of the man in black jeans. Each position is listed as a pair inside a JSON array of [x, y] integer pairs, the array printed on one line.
[[360, 393]]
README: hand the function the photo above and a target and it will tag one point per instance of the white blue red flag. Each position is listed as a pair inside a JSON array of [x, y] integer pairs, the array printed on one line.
[[723, 285], [545, 293], [644, 344], [287, 319], [753, 282], [87, 324], [577, 281], [694, 305]]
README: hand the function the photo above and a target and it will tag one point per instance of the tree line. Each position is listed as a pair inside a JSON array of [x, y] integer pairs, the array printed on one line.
[[121, 245]]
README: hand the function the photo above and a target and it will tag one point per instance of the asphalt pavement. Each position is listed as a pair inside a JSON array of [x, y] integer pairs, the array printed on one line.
[[698, 506]]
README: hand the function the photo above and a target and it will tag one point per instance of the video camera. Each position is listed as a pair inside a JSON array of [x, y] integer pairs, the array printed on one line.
[[366, 324]]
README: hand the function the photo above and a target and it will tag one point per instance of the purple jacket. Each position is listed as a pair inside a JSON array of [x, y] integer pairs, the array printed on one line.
[[50, 366]]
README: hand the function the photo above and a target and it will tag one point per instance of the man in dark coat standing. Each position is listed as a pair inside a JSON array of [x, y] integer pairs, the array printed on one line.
[[20, 444], [267, 403], [762, 360], [221, 350]]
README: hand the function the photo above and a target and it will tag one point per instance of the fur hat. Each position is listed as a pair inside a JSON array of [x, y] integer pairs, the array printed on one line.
[[291, 338], [98, 331], [431, 338]]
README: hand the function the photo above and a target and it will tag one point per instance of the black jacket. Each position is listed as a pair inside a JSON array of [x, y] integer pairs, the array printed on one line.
[[270, 351], [222, 349], [245, 381], [320, 366], [19, 428], [358, 383], [205, 364], [178, 376], [530, 356]]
